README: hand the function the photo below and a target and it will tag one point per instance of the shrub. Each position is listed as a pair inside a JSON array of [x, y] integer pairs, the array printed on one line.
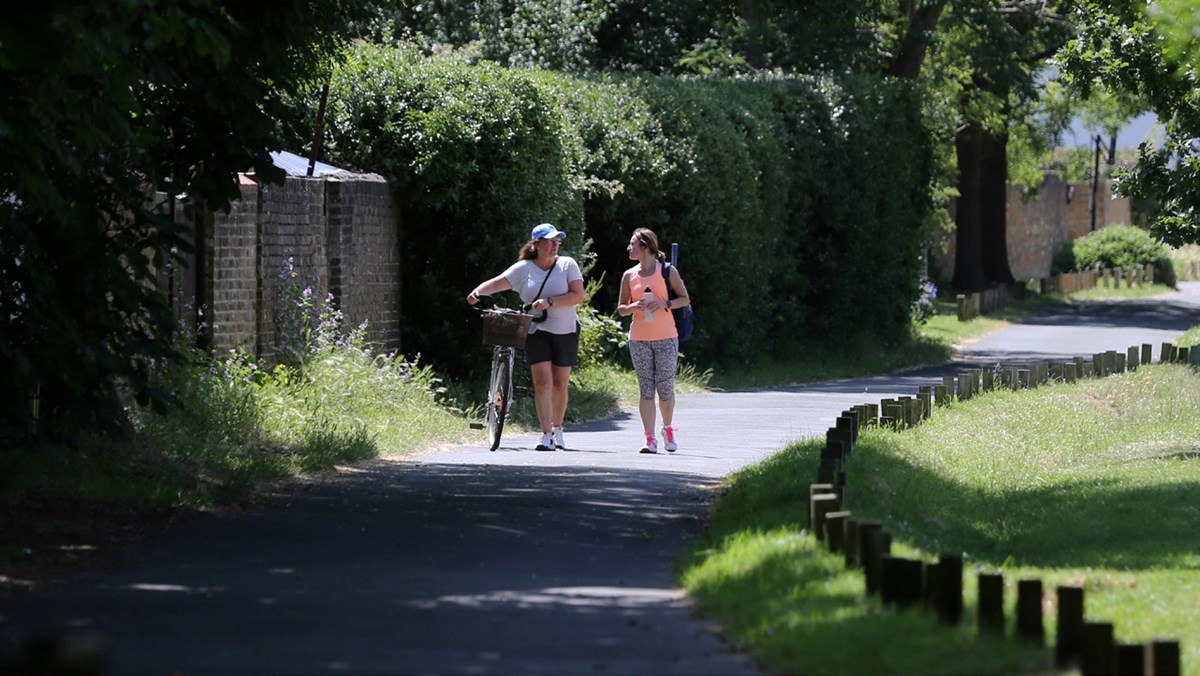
[[1116, 246]]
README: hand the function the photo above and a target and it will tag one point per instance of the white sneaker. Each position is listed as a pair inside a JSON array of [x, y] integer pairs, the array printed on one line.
[[558, 439], [651, 445], [669, 436], [547, 443]]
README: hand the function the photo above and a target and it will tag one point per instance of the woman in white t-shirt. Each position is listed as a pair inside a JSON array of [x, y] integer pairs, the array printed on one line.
[[553, 286]]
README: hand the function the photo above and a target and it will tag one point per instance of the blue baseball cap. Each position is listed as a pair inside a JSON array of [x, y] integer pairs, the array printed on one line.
[[547, 231]]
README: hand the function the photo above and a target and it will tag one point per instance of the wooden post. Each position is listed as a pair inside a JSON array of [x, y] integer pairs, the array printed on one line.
[[1096, 656], [963, 314], [1164, 355], [1029, 611], [1068, 639], [1059, 373], [1164, 658], [1069, 372], [1130, 659], [848, 428], [1131, 358], [1146, 354], [820, 488], [926, 398], [835, 530], [1098, 364], [948, 383], [900, 581], [822, 505], [1080, 368], [1181, 355], [932, 583], [991, 603], [1024, 380], [873, 547], [948, 595], [850, 542]]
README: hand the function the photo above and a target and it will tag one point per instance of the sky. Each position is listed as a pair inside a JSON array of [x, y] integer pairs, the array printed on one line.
[[1137, 131]]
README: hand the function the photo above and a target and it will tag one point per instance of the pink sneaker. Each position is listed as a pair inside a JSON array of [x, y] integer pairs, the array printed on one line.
[[651, 445], [669, 435]]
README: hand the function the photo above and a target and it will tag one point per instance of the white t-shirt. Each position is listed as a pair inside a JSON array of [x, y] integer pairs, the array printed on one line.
[[526, 278]]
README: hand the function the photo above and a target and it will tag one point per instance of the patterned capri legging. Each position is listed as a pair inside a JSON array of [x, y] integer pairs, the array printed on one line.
[[655, 362]]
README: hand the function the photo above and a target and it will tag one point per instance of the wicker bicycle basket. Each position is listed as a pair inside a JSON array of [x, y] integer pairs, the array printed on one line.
[[507, 329]]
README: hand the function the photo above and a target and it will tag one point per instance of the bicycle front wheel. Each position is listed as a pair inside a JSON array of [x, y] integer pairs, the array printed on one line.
[[499, 394]]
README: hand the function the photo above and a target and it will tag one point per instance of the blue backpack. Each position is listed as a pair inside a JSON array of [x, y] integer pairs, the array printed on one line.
[[685, 317]]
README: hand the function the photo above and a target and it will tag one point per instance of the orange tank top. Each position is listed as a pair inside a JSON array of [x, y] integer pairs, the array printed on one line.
[[663, 326]]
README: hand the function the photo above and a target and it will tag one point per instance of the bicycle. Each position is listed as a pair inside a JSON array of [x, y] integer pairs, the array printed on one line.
[[505, 330]]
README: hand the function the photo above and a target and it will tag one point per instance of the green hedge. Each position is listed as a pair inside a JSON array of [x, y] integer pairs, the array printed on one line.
[[797, 202]]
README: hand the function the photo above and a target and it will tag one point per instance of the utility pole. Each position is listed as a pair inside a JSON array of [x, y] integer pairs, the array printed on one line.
[[1098, 142]]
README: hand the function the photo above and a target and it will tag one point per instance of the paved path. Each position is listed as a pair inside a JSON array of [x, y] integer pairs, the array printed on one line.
[[470, 562]]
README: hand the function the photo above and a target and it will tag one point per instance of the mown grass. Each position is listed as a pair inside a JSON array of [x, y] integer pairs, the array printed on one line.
[[1095, 484]]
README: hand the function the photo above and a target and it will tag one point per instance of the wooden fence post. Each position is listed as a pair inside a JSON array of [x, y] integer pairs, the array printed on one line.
[[948, 595], [835, 531], [1146, 354], [876, 544], [850, 542], [1097, 654], [1029, 611], [1069, 632], [819, 488], [822, 505], [1131, 358], [991, 603], [1164, 658], [1130, 659]]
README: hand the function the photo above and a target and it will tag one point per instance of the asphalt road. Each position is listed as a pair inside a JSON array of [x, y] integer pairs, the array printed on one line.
[[469, 562]]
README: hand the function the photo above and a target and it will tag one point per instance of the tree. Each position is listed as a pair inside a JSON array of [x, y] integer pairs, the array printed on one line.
[[101, 105], [1122, 47]]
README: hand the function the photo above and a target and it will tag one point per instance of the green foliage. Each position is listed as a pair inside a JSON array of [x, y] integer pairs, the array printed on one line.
[[1116, 246], [1119, 47], [104, 104], [746, 175]]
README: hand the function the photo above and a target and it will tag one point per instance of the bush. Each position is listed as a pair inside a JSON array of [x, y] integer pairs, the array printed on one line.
[[1116, 246]]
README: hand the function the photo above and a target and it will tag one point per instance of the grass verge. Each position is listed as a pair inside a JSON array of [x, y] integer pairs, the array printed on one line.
[[1094, 484]]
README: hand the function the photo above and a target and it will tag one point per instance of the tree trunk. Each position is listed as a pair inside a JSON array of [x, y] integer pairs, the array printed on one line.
[[993, 187], [910, 55], [968, 254]]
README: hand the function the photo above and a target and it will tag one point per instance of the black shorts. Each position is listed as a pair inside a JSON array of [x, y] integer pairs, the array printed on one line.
[[561, 349]]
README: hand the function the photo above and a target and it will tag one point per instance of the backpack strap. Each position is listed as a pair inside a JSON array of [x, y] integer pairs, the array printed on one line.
[[666, 268]]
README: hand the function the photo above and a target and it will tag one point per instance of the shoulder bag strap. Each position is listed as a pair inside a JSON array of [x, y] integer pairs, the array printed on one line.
[[667, 276]]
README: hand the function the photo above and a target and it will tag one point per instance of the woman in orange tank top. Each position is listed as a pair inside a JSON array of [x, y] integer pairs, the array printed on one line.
[[653, 339]]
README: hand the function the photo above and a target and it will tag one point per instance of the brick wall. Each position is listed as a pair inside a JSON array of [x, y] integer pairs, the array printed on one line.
[[233, 279], [342, 234], [1039, 227], [291, 225], [364, 254]]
